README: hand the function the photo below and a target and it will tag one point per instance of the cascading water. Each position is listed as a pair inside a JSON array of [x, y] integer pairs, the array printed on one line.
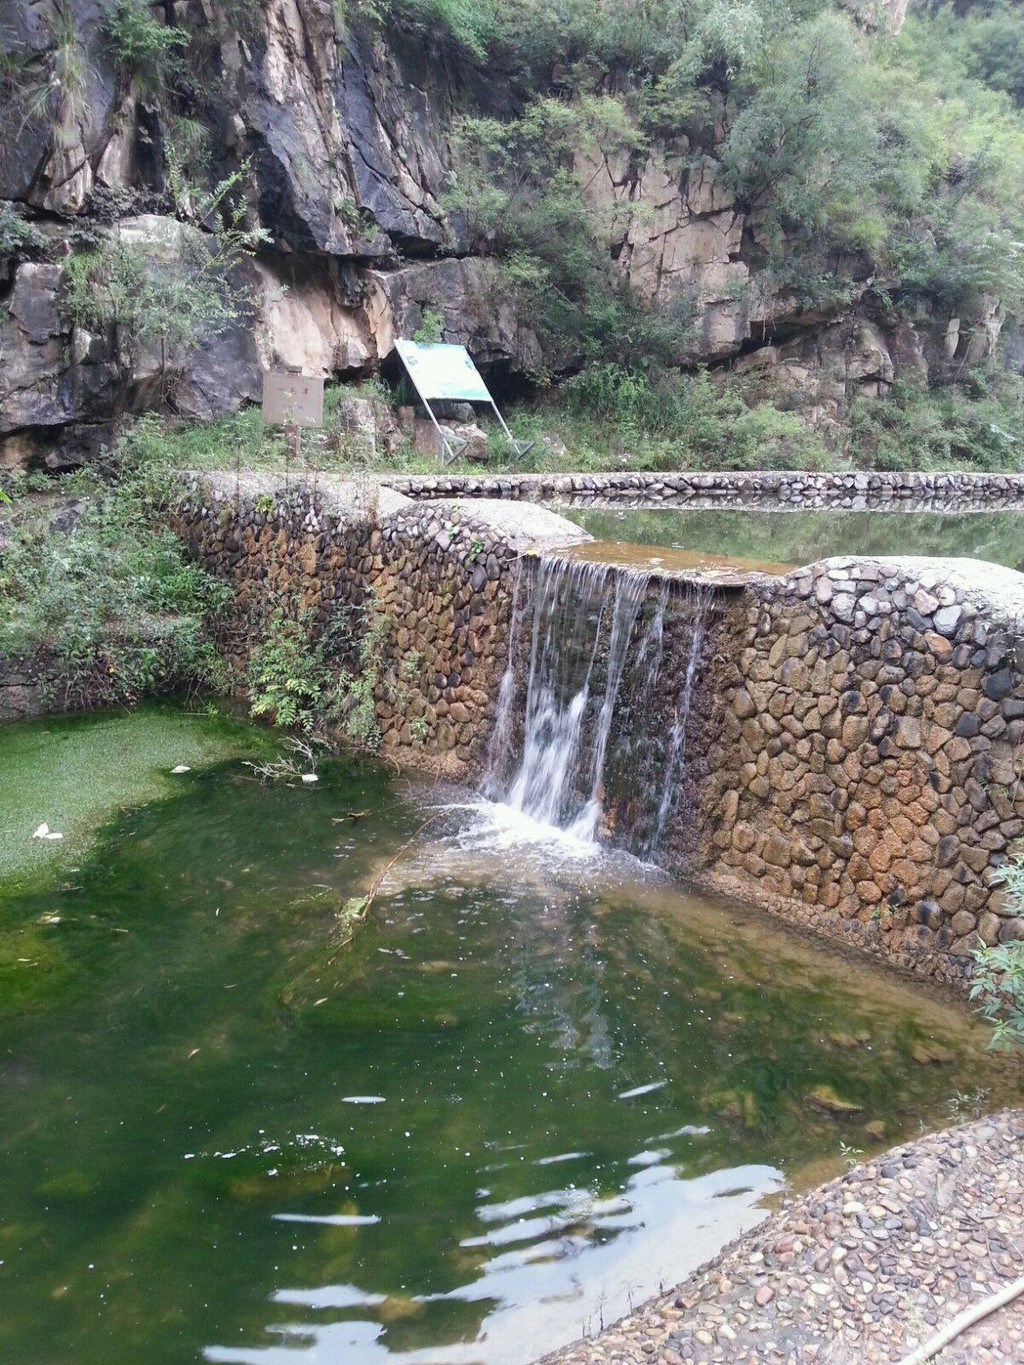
[[676, 766], [593, 741], [569, 607]]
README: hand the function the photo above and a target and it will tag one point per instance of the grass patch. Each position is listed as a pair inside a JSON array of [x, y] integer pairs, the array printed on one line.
[[607, 418], [74, 773], [105, 591]]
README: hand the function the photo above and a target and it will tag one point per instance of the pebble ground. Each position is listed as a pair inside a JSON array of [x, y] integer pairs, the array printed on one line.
[[857, 1272]]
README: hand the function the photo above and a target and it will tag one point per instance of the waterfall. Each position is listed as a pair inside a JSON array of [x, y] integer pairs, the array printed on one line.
[[568, 612], [591, 723], [501, 735], [676, 766], [629, 592]]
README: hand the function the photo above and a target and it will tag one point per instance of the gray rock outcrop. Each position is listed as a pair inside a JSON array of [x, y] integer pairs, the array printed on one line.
[[344, 142]]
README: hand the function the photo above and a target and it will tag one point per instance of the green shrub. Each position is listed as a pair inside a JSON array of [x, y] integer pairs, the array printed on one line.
[[977, 424], [315, 679], [289, 679], [998, 980], [674, 421], [110, 597], [17, 236], [431, 328], [147, 52], [520, 188]]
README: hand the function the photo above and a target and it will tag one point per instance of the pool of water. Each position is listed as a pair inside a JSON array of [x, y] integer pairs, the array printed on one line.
[[539, 1084], [770, 539]]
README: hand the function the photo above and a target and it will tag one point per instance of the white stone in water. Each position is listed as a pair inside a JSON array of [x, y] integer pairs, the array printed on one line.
[[181, 768], [310, 777]]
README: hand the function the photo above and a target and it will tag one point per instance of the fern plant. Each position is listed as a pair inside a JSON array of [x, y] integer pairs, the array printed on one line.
[[298, 678], [998, 981], [287, 677]]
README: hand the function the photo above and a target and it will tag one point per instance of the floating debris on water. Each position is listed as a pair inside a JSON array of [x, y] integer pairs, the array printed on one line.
[[641, 1090], [45, 832]]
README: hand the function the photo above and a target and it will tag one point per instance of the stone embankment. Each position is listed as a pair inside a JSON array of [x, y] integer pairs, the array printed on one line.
[[858, 1272], [853, 731], [748, 488], [869, 766], [859, 766], [436, 578]]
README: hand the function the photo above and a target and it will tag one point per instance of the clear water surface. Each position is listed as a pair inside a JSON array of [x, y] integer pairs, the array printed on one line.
[[801, 537], [540, 1083]]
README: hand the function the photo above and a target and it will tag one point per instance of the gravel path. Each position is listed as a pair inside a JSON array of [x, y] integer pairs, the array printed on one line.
[[857, 1272]]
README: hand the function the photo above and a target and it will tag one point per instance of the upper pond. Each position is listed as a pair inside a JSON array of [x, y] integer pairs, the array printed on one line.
[[802, 537], [538, 1085]]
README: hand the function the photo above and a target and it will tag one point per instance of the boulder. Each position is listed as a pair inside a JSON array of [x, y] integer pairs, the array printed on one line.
[[34, 387]]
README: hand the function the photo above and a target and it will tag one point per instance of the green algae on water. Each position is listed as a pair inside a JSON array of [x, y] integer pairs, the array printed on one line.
[[73, 773]]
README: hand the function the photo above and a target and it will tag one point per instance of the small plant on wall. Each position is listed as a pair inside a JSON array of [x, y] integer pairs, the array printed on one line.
[[146, 52], [288, 679], [998, 981], [297, 677]]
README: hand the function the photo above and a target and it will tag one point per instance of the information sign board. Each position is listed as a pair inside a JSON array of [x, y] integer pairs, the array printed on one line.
[[440, 371], [445, 373]]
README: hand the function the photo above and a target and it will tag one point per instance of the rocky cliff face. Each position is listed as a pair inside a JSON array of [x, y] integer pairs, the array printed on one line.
[[346, 138]]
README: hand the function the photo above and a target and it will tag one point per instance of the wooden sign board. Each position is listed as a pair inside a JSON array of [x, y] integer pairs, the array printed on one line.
[[295, 400]]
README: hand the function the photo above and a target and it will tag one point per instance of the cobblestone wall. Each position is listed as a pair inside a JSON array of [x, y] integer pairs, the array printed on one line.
[[436, 576], [858, 760], [787, 488], [869, 773]]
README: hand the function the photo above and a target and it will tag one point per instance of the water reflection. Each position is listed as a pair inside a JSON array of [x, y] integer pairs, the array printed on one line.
[[769, 540], [583, 1260]]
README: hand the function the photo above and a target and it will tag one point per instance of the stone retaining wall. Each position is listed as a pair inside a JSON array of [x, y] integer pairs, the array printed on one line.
[[26, 687], [859, 767], [870, 769], [438, 577], [749, 488]]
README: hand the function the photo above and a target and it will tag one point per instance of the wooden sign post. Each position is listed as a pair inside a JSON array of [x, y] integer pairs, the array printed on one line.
[[293, 399]]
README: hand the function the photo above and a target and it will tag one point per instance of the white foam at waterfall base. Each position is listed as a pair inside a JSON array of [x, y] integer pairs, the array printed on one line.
[[495, 826]]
